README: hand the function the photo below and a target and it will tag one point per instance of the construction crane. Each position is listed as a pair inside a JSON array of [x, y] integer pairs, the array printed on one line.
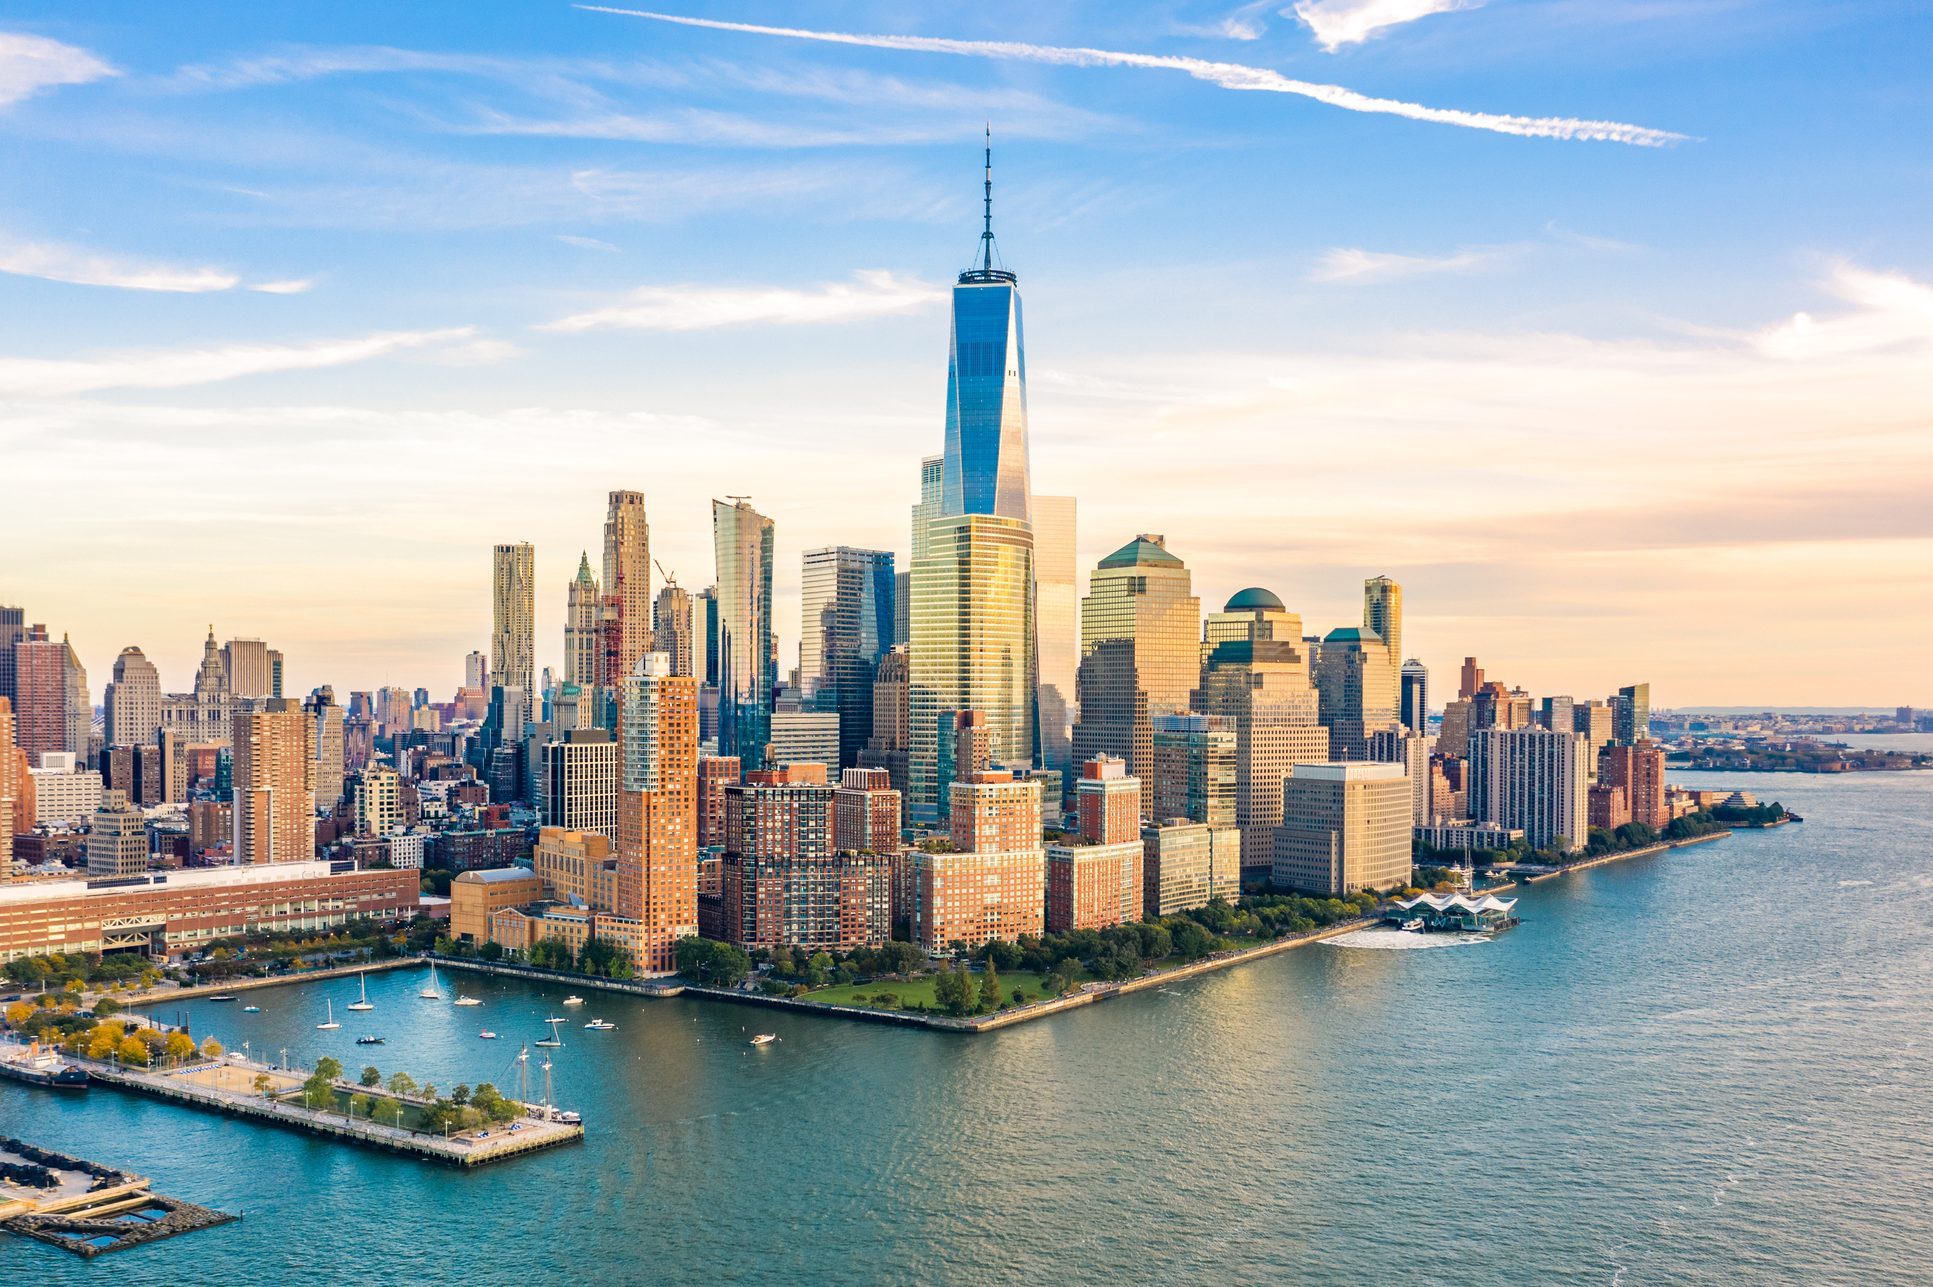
[[670, 578]]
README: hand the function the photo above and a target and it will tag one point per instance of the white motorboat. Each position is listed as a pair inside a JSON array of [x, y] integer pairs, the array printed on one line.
[[463, 1000], [487, 1035], [765, 1038], [601, 1025], [573, 1000], [332, 1025], [362, 1001], [251, 1009]]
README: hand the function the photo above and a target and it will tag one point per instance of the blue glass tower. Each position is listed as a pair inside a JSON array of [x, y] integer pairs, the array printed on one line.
[[985, 468]]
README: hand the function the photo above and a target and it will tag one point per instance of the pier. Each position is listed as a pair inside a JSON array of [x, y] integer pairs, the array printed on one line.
[[87, 1208], [229, 1086]]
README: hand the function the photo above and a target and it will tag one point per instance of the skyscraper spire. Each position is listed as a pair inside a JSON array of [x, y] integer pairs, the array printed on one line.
[[986, 236]]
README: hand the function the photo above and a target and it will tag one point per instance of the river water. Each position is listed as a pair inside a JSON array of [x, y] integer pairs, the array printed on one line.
[[1710, 1066]]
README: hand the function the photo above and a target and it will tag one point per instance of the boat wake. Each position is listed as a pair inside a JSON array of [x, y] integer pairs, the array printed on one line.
[[1382, 938]]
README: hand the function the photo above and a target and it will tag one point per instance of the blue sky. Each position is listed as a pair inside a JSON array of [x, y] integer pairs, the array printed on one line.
[[303, 307]]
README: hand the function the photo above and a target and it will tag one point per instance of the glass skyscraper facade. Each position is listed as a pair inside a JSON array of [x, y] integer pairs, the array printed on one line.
[[971, 623], [748, 654], [845, 627], [986, 401], [1057, 625]]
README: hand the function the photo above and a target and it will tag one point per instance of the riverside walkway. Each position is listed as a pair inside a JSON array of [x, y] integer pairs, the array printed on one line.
[[224, 1086]]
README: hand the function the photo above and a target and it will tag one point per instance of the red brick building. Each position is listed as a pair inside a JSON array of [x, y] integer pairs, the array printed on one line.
[[180, 911], [1093, 886], [865, 816], [1639, 769]]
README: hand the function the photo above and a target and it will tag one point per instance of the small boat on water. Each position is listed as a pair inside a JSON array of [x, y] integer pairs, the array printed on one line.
[[251, 1009], [573, 1000], [601, 1025], [223, 996], [765, 1038], [553, 1040], [487, 1035], [331, 1025], [463, 1000], [362, 1001], [429, 992], [369, 1041], [568, 1118], [1414, 925]]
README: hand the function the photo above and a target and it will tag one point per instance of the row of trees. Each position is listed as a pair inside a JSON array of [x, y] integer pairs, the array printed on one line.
[[107, 1039], [462, 1109], [75, 970]]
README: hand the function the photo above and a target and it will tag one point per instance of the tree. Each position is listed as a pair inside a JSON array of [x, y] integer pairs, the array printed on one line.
[[402, 1084], [318, 1092], [359, 1105], [178, 1045], [21, 1011], [211, 1049], [953, 989], [371, 1075], [106, 1006], [133, 1050], [708, 962], [990, 989], [460, 1094], [328, 1067], [262, 1083]]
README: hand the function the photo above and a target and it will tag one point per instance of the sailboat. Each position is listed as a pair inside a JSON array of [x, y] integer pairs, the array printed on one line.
[[429, 993], [332, 1025], [553, 1040], [363, 1003]]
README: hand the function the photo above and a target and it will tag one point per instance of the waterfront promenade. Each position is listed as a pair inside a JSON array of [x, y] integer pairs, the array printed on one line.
[[1534, 876], [223, 1086], [1086, 994]]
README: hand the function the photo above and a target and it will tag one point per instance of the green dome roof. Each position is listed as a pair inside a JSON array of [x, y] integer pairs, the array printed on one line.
[[1140, 552], [1254, 597]]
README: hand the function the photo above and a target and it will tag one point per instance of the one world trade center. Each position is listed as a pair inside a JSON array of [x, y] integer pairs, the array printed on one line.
[[971, 624]]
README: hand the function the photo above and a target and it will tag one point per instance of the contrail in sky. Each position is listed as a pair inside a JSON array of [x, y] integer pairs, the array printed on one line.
[[1227, 75]]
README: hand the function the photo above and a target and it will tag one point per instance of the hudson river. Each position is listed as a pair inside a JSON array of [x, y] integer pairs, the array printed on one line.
[[1714, 1065]]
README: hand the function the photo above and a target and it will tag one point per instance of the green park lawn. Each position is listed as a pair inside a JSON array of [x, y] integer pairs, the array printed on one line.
[[915, 991]]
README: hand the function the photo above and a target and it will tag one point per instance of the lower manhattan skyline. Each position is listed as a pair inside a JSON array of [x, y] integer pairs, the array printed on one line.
[[1572, 391], [1180, 641]]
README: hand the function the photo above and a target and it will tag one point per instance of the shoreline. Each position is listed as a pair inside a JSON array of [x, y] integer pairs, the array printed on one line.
[[189, 992], [972, 1025], [1645, 852]]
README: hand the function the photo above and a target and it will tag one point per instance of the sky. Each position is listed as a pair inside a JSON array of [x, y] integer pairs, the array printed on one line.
[[1604, 326]]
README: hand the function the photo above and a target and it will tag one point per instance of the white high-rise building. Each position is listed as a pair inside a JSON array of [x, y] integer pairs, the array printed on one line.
[[1534, 779], [1057, 617]]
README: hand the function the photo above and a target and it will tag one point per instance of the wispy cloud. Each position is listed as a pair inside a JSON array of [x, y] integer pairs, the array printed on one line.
[[1350, 22], [58, 263], [701, 308], [1227, 75], [1886, 313], [587, 243], [51, 261], [177, 368], [30, 64], [1353, 265]]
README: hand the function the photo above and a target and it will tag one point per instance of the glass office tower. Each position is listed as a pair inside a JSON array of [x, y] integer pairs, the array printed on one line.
[[971, 621], [845, 627], [748, 654]]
